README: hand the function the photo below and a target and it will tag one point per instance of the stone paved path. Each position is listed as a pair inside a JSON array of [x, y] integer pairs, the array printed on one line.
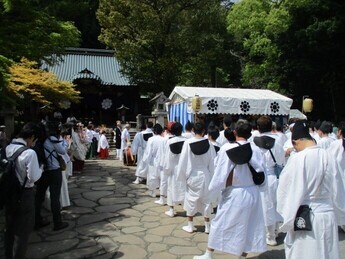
[[112, 218]]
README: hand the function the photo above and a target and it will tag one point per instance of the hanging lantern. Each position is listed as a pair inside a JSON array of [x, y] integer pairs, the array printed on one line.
[[196, 103], [307, 105]]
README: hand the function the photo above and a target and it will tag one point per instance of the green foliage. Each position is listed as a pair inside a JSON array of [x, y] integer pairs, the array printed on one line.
[[30, 32], [4, 78], [46, 34], [30, 83], [255, 26], [162, 43]]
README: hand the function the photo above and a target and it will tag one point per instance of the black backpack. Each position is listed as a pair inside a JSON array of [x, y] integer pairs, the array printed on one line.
[[10, 188]]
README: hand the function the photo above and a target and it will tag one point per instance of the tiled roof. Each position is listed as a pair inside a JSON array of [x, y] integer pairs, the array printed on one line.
[[98, 64]]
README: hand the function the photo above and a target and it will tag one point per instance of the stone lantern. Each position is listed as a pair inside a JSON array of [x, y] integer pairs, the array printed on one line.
[[159, 109]]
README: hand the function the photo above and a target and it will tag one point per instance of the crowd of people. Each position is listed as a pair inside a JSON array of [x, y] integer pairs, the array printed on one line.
[[206, 171], [211, 171], [56, 151]]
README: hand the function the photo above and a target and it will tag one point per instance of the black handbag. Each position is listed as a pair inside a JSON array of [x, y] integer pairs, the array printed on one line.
[[302, 220], [258, 177]]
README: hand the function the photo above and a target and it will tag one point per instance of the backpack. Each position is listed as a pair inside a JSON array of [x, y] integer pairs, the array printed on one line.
[[10, 188]]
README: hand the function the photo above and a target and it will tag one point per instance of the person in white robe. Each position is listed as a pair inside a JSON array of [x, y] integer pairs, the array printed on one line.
[[176, 189], [226, 124], [238, 227], [138, 148], [212, 135], [324, 131], [103, 146], [151, 158], [313, 131], [195, 168], [78, 149], [188, 127], [336, 151], [125, 139], [309, 179], [162, 151], [268, 194]]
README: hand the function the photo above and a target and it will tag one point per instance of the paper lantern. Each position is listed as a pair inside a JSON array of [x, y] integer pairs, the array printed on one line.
[[196, 103], [307, 105]]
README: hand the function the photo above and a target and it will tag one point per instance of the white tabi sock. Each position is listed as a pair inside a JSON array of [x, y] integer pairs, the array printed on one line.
[[189, 227], [207, 227], [206, 255]]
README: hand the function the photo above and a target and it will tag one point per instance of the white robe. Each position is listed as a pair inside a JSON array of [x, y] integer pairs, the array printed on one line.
[[196, 171], [102, 143], [162, 151], [268, 194], [138, 149], [337, 154], [78, 148], [325, 142], [176, 190], [239, 224], [151, 158], [307, 179], [125, 138]]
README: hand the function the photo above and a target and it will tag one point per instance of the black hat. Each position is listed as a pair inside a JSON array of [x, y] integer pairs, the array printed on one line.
[[265, 142], [300, 130]]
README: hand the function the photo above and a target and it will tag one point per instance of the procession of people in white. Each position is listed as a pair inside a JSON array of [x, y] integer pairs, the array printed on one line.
[[191, 173], [192, 170]]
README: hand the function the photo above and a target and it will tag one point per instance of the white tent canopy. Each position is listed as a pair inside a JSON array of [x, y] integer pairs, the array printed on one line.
[[295, 113], [230, 101]]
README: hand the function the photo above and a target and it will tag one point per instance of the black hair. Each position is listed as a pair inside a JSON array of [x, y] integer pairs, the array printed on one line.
[[149, 124], [227, 121], [199, 128], [176, 129], [189, 126], [243, 129], [341, 127], [264, 124], [157, 129], [229, 135], [29, 129], [143, 127], [53, 128], [213, 131]]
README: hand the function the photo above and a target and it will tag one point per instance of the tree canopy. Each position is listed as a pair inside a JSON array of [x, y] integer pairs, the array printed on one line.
[[162, 43], [28, 31]]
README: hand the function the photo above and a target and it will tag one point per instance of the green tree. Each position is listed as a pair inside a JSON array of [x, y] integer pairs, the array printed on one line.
[[27, 31], [32, 33], [81, 12], [256, 26], [313, 55], [208, 48], [32, 86], [162, 43]]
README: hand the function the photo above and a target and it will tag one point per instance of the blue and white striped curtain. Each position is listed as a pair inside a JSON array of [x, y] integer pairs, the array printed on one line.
[[178, 112]]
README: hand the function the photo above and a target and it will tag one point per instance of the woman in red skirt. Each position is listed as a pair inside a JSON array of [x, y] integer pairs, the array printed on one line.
[[103, 146]]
